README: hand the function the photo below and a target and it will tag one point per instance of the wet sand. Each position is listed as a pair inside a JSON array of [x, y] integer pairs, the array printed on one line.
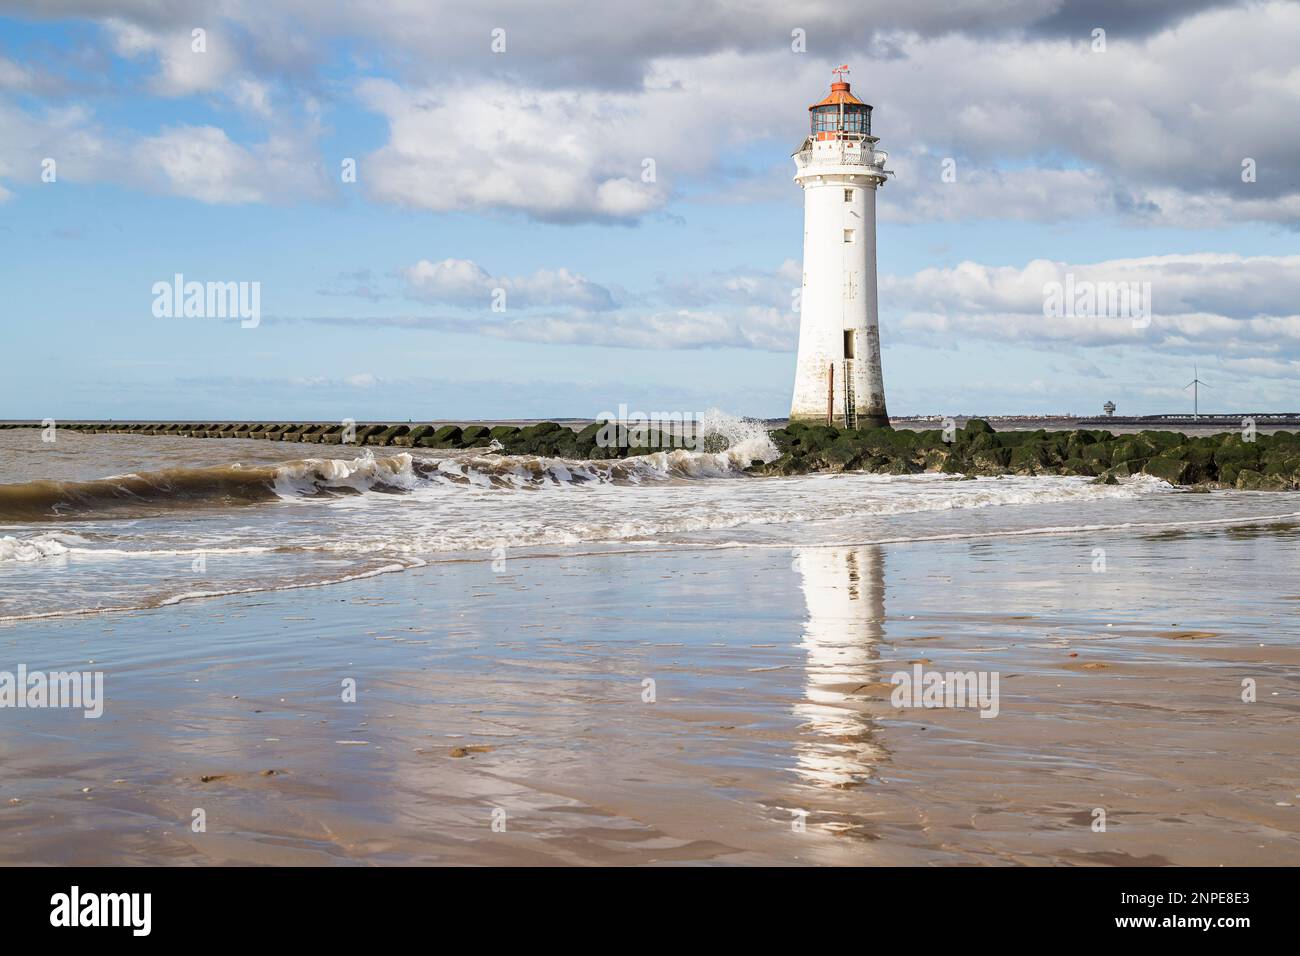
[[771, 738]]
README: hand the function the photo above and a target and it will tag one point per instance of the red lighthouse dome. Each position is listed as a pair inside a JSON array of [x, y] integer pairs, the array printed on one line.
[[841, 115]]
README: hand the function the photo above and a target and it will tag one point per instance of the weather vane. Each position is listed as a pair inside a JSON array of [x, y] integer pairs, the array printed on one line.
[[841, 72]]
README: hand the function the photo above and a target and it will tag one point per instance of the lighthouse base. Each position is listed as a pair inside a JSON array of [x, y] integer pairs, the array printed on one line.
[[864, 421], [873, 421]]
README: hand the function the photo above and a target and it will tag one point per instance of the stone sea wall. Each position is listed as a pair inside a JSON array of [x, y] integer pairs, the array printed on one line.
[[545, 438], [1255, 462]]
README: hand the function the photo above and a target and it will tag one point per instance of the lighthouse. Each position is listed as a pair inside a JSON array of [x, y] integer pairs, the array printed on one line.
[[837, 377]]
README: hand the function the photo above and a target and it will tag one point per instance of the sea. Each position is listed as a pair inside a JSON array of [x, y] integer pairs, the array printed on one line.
[[103, 523]]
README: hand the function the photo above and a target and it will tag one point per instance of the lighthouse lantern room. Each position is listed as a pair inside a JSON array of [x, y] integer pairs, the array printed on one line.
[[838, 378]]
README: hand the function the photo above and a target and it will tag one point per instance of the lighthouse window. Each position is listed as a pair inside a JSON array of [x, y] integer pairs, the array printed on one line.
[[848, 235], [857, 120], [848, 343], [826, 119], [848, 195]]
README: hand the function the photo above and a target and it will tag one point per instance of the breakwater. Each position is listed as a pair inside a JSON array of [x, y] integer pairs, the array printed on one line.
[[1241, 459], [541, 438]]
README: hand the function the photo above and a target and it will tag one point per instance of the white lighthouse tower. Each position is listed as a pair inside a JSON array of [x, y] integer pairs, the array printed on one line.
[[838, 379]]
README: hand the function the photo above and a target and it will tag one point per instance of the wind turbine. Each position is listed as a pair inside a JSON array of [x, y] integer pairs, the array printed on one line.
[[1194, 386]]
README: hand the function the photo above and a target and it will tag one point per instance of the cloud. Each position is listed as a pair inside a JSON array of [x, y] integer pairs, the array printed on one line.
[[186, 63], [196, 162], [254, 96], [14, 76], [465, 283], [558, 156], [201, 162], [567, 42], [1133, 17], [1244, 305], [775, 288], [559, 127], [1155, 128], [1041, 128], [64, 134], [1222, 283], [602, 45], [750, 310], [755, 327], [1235, 306], [919, 194], [758, 328]]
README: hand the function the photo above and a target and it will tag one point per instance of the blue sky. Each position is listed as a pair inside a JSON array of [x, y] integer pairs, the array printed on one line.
[[522, 170]]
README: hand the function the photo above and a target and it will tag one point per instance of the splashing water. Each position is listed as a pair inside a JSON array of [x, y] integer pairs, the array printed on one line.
[[745, 440]]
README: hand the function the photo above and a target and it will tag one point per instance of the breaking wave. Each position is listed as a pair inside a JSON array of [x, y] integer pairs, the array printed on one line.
[[739, 443]]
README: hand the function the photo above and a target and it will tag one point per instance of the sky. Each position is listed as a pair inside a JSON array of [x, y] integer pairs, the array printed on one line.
[[510, 209]]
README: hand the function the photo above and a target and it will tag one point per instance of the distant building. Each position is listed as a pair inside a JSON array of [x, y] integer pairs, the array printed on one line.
[[1109, 409]]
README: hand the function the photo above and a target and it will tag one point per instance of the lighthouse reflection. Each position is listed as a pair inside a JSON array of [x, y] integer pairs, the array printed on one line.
[[844, 590]]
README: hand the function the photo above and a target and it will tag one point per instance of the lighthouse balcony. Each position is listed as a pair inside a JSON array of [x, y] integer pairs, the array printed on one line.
[[849, 155]]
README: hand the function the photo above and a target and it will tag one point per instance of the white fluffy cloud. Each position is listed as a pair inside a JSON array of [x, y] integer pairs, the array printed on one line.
[[554, 155], [465, 283], [196, 162], [1156, 127], [201, 162], [65, 134], [1230, 304], [186, 63]]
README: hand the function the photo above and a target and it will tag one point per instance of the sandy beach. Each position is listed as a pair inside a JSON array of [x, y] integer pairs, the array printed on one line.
[[503, 714]]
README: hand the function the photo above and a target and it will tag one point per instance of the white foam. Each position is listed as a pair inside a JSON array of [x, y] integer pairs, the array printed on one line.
[[313, 475], [221, 592], [38, 548], [438, 516]]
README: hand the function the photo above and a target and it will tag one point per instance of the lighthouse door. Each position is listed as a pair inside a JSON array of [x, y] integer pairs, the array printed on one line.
[[850, 404]]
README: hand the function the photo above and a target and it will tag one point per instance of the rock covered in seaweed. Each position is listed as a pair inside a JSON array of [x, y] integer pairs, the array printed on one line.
[[1268, 462]]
